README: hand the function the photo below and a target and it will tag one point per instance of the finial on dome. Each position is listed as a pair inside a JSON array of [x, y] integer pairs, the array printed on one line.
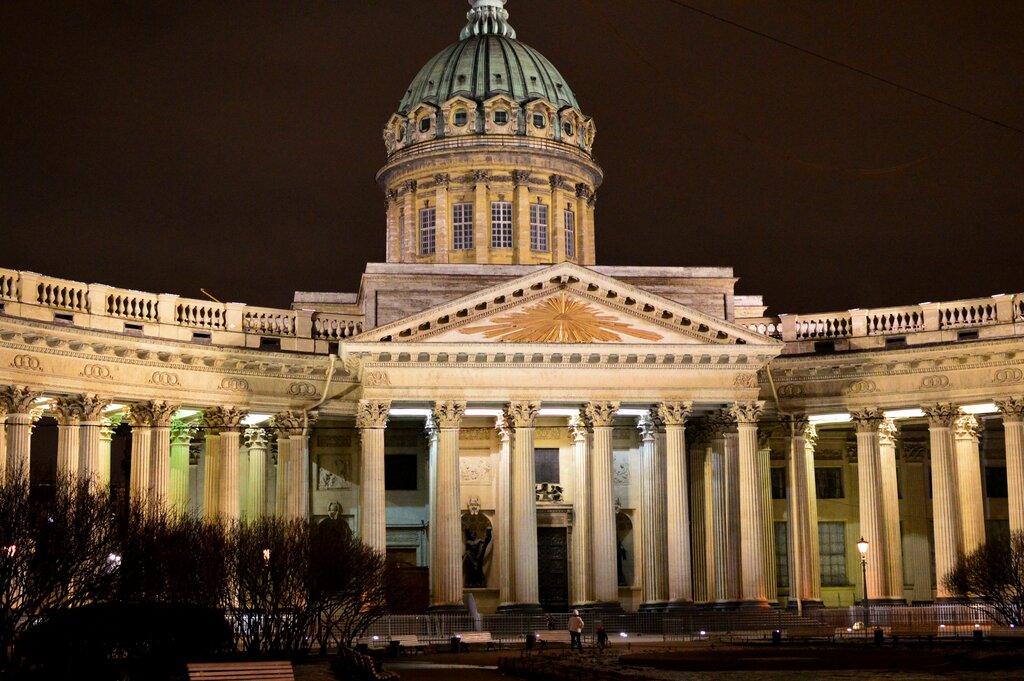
[[487, 17]]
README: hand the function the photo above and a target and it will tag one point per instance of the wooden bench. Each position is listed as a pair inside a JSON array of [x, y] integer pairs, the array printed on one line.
[[807, 632], [241, 671], [555, 636], [468, 638], [410, 641], [925, 632], [351, 664]]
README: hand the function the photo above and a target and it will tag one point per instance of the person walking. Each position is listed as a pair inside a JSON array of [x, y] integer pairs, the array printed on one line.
[[576, 630]]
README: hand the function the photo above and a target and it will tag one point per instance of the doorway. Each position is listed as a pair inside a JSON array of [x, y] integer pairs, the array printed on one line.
[[553, 568]]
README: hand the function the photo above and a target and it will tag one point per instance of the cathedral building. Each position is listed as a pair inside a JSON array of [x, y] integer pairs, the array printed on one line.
[[523, 424]]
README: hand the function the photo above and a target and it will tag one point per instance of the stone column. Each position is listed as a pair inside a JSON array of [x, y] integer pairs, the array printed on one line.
[[524, 508], [941, 419], [680, 573], [300, 465], [653, 510], [446, 559], [213, 424], [441, 224], [410, 225], [805, 561], [971, 507], [68, 411], [521, 217], [732, 504], [725, 508], [140, 417], [764, 456], [1012, 410], [584, 227], [581, 583], [258, 443], [17, 402], [701, 515], [89, 438], [394, 248], [604, 559], [872, 519], [372, 419], [288, 425], [433, 434], [182, 433], [107, 428], [503, 513], [3, 442], [891, 512], [481, 217], [555, 220], [754, 586], [160, 456]]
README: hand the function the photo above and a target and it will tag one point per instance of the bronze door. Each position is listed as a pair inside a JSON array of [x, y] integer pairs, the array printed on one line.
[[553, 568]]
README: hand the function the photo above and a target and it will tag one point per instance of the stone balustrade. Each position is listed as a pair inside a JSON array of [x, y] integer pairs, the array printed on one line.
[[858, 329], [96, 306]]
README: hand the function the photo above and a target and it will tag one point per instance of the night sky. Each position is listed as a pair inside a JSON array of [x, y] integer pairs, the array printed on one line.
[[169, 145]]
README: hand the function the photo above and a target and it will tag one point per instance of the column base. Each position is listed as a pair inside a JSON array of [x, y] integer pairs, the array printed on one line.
[[606, 607], [521, 609], [450, 609], [807, 605], [755, 605], [654, 606], [680, 606], [725, 605]]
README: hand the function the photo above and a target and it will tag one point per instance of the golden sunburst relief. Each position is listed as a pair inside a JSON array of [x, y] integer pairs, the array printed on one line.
[[559, 319]]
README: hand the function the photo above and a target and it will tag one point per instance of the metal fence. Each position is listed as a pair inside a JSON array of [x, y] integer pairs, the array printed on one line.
[[832, 623]]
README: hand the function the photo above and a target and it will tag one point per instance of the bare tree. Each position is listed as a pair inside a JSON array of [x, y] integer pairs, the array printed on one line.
[[54, 557], [992, 574]]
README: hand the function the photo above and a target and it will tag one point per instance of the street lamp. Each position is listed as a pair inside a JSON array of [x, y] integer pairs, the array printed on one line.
[[862, 546]]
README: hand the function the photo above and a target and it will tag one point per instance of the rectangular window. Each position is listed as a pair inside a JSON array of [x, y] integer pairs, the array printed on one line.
[[832, 543], [538, 227], [462, 226], [545, 463], [570, 234], [428, 231], [995, 482], [828, 482], [778, 483], [781, 555], [501, 224], [400, 472]]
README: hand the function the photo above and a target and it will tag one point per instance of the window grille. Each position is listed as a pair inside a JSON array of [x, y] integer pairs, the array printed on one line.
[[462, 226], [570, 234], [828, 482], [428, 231], [832, 548], [501, 224], [781, 555], [538, 227]]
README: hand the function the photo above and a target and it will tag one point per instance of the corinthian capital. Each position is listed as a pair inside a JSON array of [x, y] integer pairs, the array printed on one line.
[[442, 179], [373, 413], [868, 420], [967, 427], [674, 413], [887, 432], [503, 424], [18, 399], [583, 191], [182, 432], [481, 176], [256, 438], [68, 410], [795, 425], [225, 418], [721, 422], [601, 414], [942, 415], [520, 177], [747, 413], [578, 427], [163, 413], [523, 414], [556, 181], [1012, 409], [140, 414], [647, 426], [449, 414], [287, 423]]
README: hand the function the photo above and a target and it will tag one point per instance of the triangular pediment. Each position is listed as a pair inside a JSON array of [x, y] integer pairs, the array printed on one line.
[[564, 304]]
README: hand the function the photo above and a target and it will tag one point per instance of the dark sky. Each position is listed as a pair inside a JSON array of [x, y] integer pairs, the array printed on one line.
[[167, 145]]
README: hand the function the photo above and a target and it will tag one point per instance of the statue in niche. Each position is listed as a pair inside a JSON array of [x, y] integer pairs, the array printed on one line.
[[620, 553], [477, 533], [334, 528]]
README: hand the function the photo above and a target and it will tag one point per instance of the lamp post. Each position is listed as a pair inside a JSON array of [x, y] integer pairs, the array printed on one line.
[[862, 546]]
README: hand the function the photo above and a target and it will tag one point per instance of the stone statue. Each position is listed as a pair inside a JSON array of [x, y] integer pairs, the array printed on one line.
[[473, 558], [334, 527], [620, 553]]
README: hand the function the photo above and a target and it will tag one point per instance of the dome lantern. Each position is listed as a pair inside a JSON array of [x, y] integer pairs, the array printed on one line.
[[487, 17]]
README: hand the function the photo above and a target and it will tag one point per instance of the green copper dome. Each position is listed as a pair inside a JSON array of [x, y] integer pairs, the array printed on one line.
[[488, 61]]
